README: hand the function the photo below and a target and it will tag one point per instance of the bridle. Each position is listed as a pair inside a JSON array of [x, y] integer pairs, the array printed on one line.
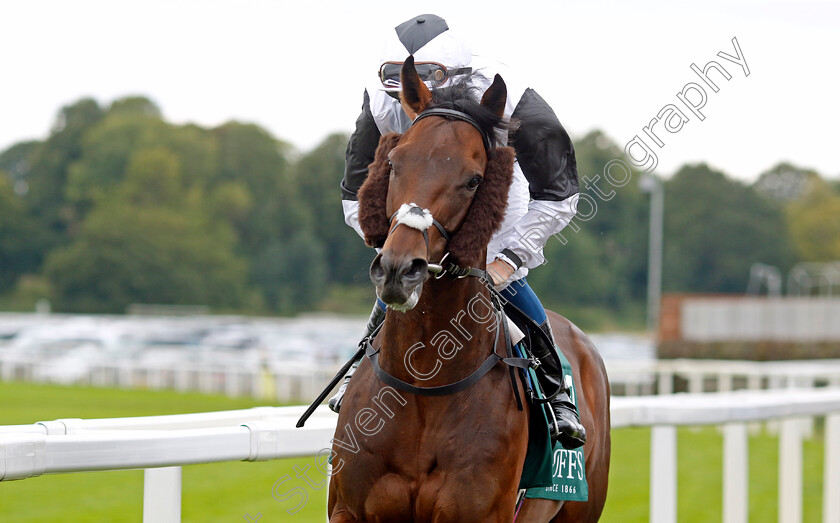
[[418, 218], [454, 114], [421, 219]]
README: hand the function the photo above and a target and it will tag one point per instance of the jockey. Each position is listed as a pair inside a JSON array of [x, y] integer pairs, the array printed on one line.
[[542, 199]]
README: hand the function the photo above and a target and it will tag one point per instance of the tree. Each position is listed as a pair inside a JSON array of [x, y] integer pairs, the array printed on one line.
[[715, 229], [21, 239], [138, 105], [318, 175], [273, 222], [814, 222], [45, 168], [786, 183], [249, 156], [16, 161], [153, 241], [604, 261], [574, 274], [133, 124], [619, 227], [292, 274]]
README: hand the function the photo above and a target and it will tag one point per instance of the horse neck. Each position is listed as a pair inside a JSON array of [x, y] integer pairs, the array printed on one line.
[[454, 321]]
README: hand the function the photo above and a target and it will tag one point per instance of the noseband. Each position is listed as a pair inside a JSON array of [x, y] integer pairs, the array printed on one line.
[[416, 217]]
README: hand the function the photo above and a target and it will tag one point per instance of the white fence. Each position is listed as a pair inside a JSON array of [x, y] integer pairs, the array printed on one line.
[[73, 445], [300, 383], [288, 384], [633, 377]]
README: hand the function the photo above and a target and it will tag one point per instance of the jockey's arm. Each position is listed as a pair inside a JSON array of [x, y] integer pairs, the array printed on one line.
[[359, 154], [546, 155]]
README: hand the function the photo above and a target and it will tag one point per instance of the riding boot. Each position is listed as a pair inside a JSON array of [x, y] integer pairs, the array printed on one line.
[[566, 426], [377, 315]]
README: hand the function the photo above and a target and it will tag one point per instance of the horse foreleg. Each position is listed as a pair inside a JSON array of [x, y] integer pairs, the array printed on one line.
[[538, 510], [340, 514], [336, 509]]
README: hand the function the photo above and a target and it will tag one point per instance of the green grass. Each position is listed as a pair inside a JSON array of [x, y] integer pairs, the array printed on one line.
[[228, 491], [699, 477], [212, 492]]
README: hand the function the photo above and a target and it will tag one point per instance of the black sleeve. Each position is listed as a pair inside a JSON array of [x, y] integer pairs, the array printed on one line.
[[360, 151], [544, 150]]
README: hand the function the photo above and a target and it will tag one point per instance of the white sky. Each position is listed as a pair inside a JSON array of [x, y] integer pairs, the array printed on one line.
[[298, 67]]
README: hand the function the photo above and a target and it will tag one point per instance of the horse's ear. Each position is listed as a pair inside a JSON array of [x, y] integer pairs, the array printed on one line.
[[373, 194], [495, 97], [415, 96]]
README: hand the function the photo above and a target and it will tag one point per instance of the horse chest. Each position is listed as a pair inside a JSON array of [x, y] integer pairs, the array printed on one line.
[[410, 471]]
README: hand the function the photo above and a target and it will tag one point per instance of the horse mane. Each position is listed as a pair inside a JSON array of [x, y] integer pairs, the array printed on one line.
[[490, 202]]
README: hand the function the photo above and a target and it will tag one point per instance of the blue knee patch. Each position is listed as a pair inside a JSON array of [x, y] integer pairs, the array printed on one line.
[[520, 294]]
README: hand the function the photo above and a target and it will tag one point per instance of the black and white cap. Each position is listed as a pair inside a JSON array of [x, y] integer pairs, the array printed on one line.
[[419, 31], [429, 39]]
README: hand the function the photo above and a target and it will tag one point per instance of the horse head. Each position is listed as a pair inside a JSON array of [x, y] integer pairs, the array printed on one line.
[[439, 188]]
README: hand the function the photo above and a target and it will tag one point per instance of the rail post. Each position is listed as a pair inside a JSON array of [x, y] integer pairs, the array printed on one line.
[[790, 471], [735, 473], [831, 472], [663, 474], [162, 495]]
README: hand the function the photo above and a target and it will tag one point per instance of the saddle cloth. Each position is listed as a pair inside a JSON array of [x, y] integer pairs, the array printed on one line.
[[551, 472]]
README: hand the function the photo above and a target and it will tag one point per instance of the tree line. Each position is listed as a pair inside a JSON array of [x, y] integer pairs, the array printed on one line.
[[119, 206]]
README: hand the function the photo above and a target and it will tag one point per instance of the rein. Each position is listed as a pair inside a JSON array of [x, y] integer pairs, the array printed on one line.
[[444, 390], [421, 219], [412, 215]]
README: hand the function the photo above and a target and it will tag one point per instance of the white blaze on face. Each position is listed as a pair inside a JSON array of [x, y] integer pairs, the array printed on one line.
[[414, 216]]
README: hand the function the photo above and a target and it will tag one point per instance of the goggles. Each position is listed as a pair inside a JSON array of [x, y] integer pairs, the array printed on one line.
[[431, 72]]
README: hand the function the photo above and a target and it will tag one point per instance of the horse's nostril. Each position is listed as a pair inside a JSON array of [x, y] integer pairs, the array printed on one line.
[[416, 270], [377, 273]]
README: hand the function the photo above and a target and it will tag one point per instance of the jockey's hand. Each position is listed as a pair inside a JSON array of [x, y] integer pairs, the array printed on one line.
[[500, 270]]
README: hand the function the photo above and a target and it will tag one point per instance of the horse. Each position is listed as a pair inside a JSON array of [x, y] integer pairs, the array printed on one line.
[[433, 426]]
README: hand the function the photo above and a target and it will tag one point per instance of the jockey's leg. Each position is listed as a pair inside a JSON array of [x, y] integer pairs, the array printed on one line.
[[377, 315], [567, 426]]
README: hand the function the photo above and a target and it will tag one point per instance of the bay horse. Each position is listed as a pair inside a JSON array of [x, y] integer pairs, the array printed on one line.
[[422, 435]]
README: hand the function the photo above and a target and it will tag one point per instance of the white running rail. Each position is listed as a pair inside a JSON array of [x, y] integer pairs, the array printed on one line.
[[162, 444]]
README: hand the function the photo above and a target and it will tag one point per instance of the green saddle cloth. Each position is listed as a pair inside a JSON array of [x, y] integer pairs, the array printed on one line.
[[552, 473]]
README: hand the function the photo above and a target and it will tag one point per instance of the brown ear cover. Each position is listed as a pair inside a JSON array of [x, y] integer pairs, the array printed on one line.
[[373, 193], [486, 211]]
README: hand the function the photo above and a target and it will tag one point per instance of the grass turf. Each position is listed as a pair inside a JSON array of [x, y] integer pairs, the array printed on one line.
[[236, 491]]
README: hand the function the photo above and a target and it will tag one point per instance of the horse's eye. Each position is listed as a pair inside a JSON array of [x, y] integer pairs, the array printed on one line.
[[473, 183]]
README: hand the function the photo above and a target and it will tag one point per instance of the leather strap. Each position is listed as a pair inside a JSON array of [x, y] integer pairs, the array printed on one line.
[[443, 390], [456, 115], [509, 349]]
